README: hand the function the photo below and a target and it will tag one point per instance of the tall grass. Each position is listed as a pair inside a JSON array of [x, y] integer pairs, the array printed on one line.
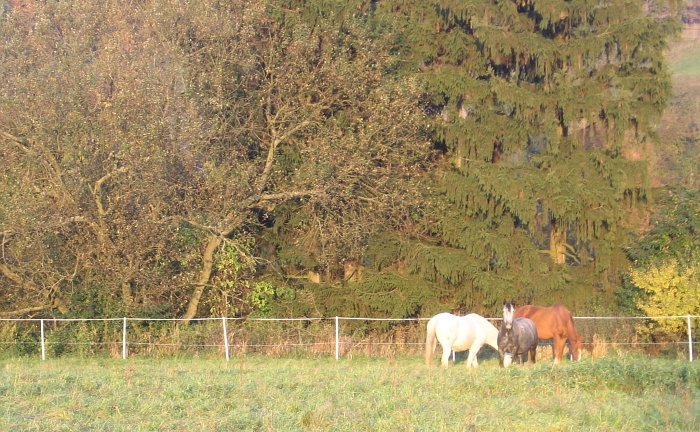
[[360, 394]]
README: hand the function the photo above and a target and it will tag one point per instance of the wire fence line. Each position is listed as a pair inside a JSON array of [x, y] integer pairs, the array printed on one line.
[[337, 336]]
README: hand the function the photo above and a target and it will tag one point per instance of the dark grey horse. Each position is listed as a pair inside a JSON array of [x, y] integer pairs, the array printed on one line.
[[517, 337]]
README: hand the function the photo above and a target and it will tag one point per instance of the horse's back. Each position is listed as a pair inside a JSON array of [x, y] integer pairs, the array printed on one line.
[[477, 318], [550, 321], [526, 327], [520, 338], [444, 320], [482, 325], [562, 311], [458, 331], [530, 311], [444, 324]]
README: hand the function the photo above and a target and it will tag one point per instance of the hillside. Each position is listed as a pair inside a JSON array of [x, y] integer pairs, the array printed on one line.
[[681, 122]]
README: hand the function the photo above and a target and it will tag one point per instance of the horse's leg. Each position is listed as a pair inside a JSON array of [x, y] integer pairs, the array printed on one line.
[[554, 351], [446, 351], [559, 343], [533, 354], [474, 350], [471, 359]]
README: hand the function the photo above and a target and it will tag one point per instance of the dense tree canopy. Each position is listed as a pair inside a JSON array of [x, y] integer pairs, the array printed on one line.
[[146, 146], [665, 269], [390, 157], [540, 110]]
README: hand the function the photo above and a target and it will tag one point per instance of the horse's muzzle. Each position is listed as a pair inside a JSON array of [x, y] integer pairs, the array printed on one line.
[[507, 360]]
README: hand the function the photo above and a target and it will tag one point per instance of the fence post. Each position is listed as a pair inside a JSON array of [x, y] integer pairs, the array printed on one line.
[[124, 340], [43, 344], [690, 340], [337, 338], [226, 347]]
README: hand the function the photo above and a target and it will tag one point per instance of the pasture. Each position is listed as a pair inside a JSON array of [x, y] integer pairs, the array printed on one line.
[[628, 393]]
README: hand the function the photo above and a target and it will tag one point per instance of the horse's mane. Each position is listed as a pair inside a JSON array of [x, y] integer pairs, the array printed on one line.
[[574, 340]]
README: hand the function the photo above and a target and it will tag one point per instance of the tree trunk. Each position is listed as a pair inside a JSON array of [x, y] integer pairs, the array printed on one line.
[[127, 295], [557, 245], [19, 312], [204, 275]]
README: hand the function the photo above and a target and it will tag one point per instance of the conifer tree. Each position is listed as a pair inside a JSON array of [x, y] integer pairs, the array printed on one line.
[[542, 109]]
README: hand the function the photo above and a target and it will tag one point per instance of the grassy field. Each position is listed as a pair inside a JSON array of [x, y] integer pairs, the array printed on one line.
[[684, 53], [255, 393]]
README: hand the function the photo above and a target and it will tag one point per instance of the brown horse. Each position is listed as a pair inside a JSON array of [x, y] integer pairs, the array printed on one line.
[[554, 322]]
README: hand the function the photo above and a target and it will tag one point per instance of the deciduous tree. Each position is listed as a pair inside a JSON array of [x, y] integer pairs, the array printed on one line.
[[144, 144]]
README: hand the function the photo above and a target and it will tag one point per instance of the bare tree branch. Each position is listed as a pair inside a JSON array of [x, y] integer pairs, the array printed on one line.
[[270, 161], [207, 228], [48, 159], [97, 190], [282, 196], [24, 311], [21, 143], [6, 271]]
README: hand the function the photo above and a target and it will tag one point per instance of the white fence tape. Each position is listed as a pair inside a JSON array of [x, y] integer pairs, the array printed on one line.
[[337, 327]]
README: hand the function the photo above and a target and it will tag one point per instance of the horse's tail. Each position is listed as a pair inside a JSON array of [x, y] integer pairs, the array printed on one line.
[[574, 340], [430, 342]]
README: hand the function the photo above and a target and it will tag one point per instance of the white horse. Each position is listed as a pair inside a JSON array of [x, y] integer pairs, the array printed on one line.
[[459, 333]]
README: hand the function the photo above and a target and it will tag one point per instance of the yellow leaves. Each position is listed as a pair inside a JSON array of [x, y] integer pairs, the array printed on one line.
[[670, 289]]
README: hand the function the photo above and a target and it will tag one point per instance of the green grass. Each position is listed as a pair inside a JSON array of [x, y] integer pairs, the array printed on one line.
[[687, 66], [255, 393], [684, 57]]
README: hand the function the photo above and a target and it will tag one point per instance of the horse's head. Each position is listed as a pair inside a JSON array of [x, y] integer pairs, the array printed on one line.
[[508, 310], [575, 348]]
